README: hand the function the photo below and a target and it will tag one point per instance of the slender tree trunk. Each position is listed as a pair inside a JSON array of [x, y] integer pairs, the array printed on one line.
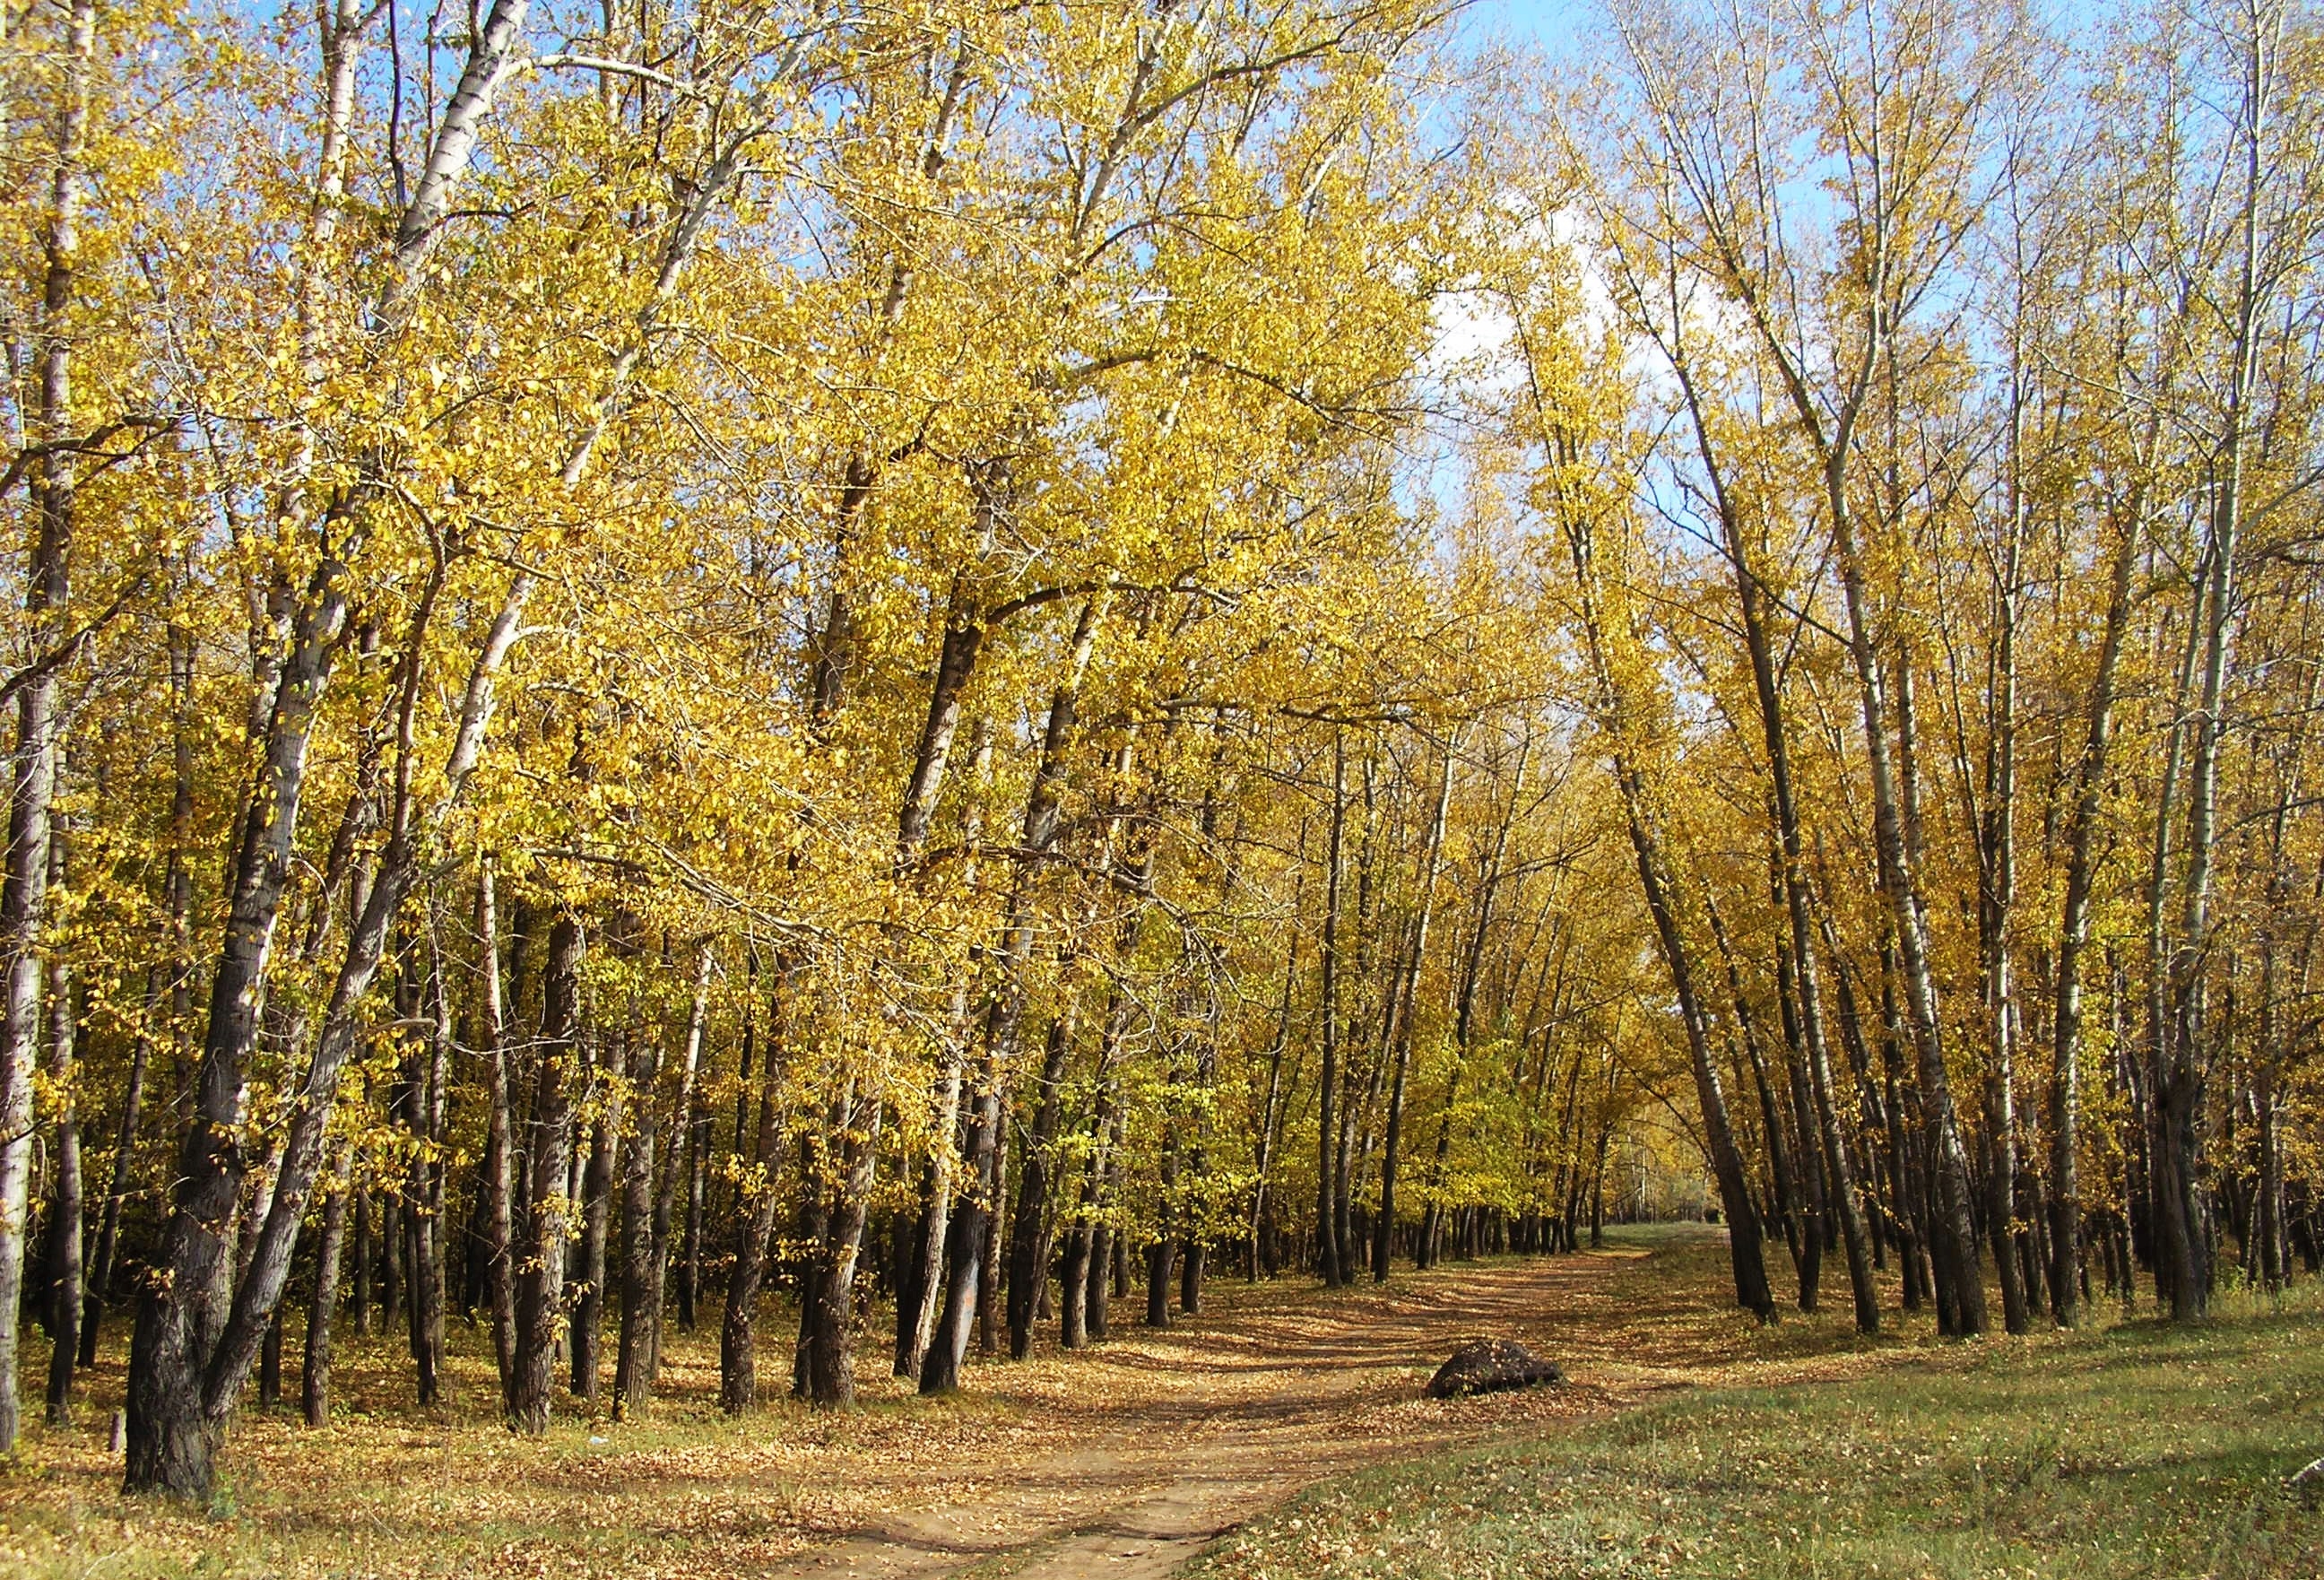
[[65, 1228], [989, 1294], [1812, 1178], [697, 1160], [359, 1289], [1798, 903], [940, 1371], [1995, 840], [596, 1220], [1029, 1239], [1952, 1239], [1089, 1248], [633, 1353], [971, 1242], [124, 1151], [918, 1306], [737, 1334], [1162, 1251], [1104, 1244], [430, 1112], [1744, 1248], [2081, 866], [315, 1375], [1407, 988], [829, 1313], [48, 592], [1327, 1212], [1780, 1160], [540, 1257], [922, 1288], [500, 1137], [685, 1160]]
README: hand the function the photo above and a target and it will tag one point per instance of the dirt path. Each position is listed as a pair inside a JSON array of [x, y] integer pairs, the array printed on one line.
[[1120, 1461], [1169, 1440]]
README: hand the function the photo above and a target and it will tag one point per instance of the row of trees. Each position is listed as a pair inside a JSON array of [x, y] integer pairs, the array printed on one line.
[[1986, 515], [765, 645]]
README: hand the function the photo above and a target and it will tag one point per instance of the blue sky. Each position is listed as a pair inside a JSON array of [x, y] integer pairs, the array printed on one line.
[[1552, 22], [1555, 22]]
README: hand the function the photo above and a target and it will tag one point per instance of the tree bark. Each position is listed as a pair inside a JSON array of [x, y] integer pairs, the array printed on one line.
[[640, 1308], [828, 1315], [500, 1136], [65, 1227], [1327, 1214], [539, 1257], [1028, 1238], [48, 593], [1408, 989], [738, 1368], [124, 1151], [596, 1219], [2074, 936], [315, 1374], [967, 1255]]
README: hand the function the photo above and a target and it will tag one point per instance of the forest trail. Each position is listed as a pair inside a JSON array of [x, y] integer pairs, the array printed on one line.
[[1122, 1460], [1172, 1438]]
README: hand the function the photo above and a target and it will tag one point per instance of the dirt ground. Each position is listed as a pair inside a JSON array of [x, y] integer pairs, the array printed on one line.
[[1182, 1436], [1124, 1460]]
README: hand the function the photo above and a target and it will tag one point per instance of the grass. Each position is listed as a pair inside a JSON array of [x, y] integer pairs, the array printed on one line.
[[2134, 1449]]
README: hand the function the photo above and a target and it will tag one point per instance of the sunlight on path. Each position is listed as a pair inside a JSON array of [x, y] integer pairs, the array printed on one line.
[[1177, 1438]]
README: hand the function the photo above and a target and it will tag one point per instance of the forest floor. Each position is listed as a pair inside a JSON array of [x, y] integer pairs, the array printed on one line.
[[1128, 1459], [1124, 1459]]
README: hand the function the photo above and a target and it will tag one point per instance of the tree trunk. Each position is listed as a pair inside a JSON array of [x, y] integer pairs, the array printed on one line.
[[1327, 1210], [48, 592], [829, 1311], [1743, 1237], [1029, 1239], [425, 1212], [633, 1356], [315, 1374], [596, 1221], [65, 1227], [965, 1237], [170, 1436], [108, 1233], [500, 1135], [970, 1238], [918, 1306], [539, 1260], [1952, 1239], [1104, 1247], [2081, 866], [738, 1333], [1407, 988], [685, 1145]]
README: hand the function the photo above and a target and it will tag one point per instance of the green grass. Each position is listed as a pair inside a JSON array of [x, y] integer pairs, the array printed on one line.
[[2136, 1450]]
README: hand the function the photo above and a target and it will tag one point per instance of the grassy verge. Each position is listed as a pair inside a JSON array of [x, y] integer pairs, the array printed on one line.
[[2134, 1450]]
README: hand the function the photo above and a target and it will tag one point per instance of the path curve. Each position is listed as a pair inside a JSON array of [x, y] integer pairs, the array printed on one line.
[[1184, 1435]]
